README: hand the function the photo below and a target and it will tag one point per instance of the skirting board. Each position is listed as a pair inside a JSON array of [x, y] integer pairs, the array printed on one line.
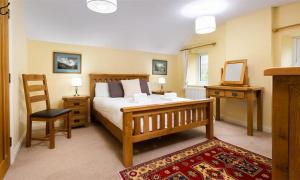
[[244, 123], [16, 148]]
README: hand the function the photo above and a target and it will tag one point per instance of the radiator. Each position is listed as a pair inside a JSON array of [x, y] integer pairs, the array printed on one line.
[[195, 92]]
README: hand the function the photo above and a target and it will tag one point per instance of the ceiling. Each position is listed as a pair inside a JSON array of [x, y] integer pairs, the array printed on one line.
[[145, 25]]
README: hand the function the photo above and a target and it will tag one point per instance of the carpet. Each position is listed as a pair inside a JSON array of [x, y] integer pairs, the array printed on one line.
[[213, 159]]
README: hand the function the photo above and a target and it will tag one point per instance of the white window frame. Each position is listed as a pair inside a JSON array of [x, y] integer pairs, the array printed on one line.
[[201, 83], [296, 52]]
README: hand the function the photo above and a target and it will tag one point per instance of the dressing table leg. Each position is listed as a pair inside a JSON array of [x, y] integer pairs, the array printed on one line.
[[259, 110], [218, 109], [250, 98]]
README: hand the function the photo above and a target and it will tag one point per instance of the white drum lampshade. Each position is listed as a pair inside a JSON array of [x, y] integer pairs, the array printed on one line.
[[76, 82], [102, 6], [205, 24], [161, 81]]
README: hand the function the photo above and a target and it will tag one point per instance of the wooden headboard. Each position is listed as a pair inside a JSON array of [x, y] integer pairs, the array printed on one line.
[[94, 78]]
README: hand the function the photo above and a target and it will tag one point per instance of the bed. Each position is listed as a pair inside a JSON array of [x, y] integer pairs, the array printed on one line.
[[134, 123]]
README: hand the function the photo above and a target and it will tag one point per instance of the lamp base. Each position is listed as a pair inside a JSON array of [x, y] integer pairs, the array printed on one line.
[[76, 92], [161, 88]]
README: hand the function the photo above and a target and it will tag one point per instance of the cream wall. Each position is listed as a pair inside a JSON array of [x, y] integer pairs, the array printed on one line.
[[247, 37], [285, 16], [18, 65], [95, 60]]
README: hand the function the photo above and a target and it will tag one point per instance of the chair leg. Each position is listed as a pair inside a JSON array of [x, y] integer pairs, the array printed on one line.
[[65, 123], [29, 132], [68, 120], [52, 134], [47, 128]]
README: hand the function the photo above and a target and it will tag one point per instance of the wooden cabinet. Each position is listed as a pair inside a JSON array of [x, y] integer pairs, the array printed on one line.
[[285, 123], [79, 106]]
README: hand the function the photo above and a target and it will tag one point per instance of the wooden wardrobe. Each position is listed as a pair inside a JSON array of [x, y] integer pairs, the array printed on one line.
[[285, 123]]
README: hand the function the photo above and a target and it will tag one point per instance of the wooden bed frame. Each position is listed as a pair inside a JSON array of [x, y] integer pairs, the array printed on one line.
[[195, 113]]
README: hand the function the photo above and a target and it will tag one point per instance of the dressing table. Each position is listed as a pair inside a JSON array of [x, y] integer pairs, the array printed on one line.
[[235, 84]]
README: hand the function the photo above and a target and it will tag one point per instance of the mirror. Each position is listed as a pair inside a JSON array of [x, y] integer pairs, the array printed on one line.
[[234, 72]]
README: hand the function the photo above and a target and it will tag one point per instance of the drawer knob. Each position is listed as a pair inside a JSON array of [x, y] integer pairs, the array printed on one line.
[[234, 94], [76, 104], [77, 120]]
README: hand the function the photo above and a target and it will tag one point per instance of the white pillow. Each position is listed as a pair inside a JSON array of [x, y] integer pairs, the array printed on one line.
[[131, 87], [149, 87], [101, 90]]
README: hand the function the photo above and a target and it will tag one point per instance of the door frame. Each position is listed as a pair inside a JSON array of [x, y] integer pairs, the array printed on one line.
[[4, 88]]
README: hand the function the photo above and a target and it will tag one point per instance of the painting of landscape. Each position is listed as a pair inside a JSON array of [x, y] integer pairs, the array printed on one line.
[[66, 63], [159, 67]]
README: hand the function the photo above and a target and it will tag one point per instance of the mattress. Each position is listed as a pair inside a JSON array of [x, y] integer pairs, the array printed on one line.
[[110, 107]]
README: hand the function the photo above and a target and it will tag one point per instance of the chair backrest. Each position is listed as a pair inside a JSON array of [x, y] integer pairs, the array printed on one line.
[[34, 88]]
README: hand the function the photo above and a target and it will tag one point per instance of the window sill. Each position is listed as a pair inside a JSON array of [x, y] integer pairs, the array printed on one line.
[[197, 85]]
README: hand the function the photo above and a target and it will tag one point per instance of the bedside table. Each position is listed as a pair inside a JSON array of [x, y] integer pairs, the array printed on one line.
[[161, 92], [79, 106]]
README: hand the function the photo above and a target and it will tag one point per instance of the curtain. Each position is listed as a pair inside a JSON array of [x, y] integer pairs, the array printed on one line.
[[185, 62]]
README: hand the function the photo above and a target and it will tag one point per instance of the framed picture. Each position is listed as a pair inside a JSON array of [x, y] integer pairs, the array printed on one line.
[[66, 63], [159, 67]]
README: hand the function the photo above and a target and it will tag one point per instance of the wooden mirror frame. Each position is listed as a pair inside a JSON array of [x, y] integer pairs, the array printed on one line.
[[243, 77]]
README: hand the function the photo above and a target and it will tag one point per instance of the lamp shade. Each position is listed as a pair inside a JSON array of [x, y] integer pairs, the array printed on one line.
[[162, 80], [205, 24], [76, 82], [102, 6]]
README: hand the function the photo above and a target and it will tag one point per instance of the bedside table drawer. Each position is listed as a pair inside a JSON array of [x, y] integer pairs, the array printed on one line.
[[79, 111], [78, 120], [75, 103]]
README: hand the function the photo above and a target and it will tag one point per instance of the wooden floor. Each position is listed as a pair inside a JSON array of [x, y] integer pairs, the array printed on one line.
[[93, 153]]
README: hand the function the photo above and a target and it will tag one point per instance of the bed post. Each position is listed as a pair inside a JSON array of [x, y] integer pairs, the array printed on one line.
[[127, 139], [210, 123], [92, 95]]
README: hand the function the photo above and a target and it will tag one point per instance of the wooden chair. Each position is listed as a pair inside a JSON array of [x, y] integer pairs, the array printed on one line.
[[49, 115]]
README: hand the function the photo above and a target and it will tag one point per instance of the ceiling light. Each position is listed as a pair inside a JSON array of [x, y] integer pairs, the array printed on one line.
[[205, 24], [102, 6], [204, 7]]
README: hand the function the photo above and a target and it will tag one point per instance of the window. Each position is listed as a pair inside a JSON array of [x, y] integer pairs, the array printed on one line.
[[197, 69], [203, 69], [296, 59]]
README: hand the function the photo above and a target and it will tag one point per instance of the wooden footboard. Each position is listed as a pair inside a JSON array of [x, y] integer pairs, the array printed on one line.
[[163, 119]]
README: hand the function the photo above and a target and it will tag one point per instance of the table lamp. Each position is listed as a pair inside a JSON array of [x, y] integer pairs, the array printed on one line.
[[161, 81], [76, 82]]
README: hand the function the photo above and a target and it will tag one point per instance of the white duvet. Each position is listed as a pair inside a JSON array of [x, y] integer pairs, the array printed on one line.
[[110, 107]]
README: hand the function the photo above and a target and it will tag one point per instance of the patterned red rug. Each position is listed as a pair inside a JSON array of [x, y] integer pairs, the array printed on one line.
[[213, 159]]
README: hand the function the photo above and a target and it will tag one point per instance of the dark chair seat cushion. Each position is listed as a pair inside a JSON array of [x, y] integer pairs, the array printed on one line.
[[50, 113]]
